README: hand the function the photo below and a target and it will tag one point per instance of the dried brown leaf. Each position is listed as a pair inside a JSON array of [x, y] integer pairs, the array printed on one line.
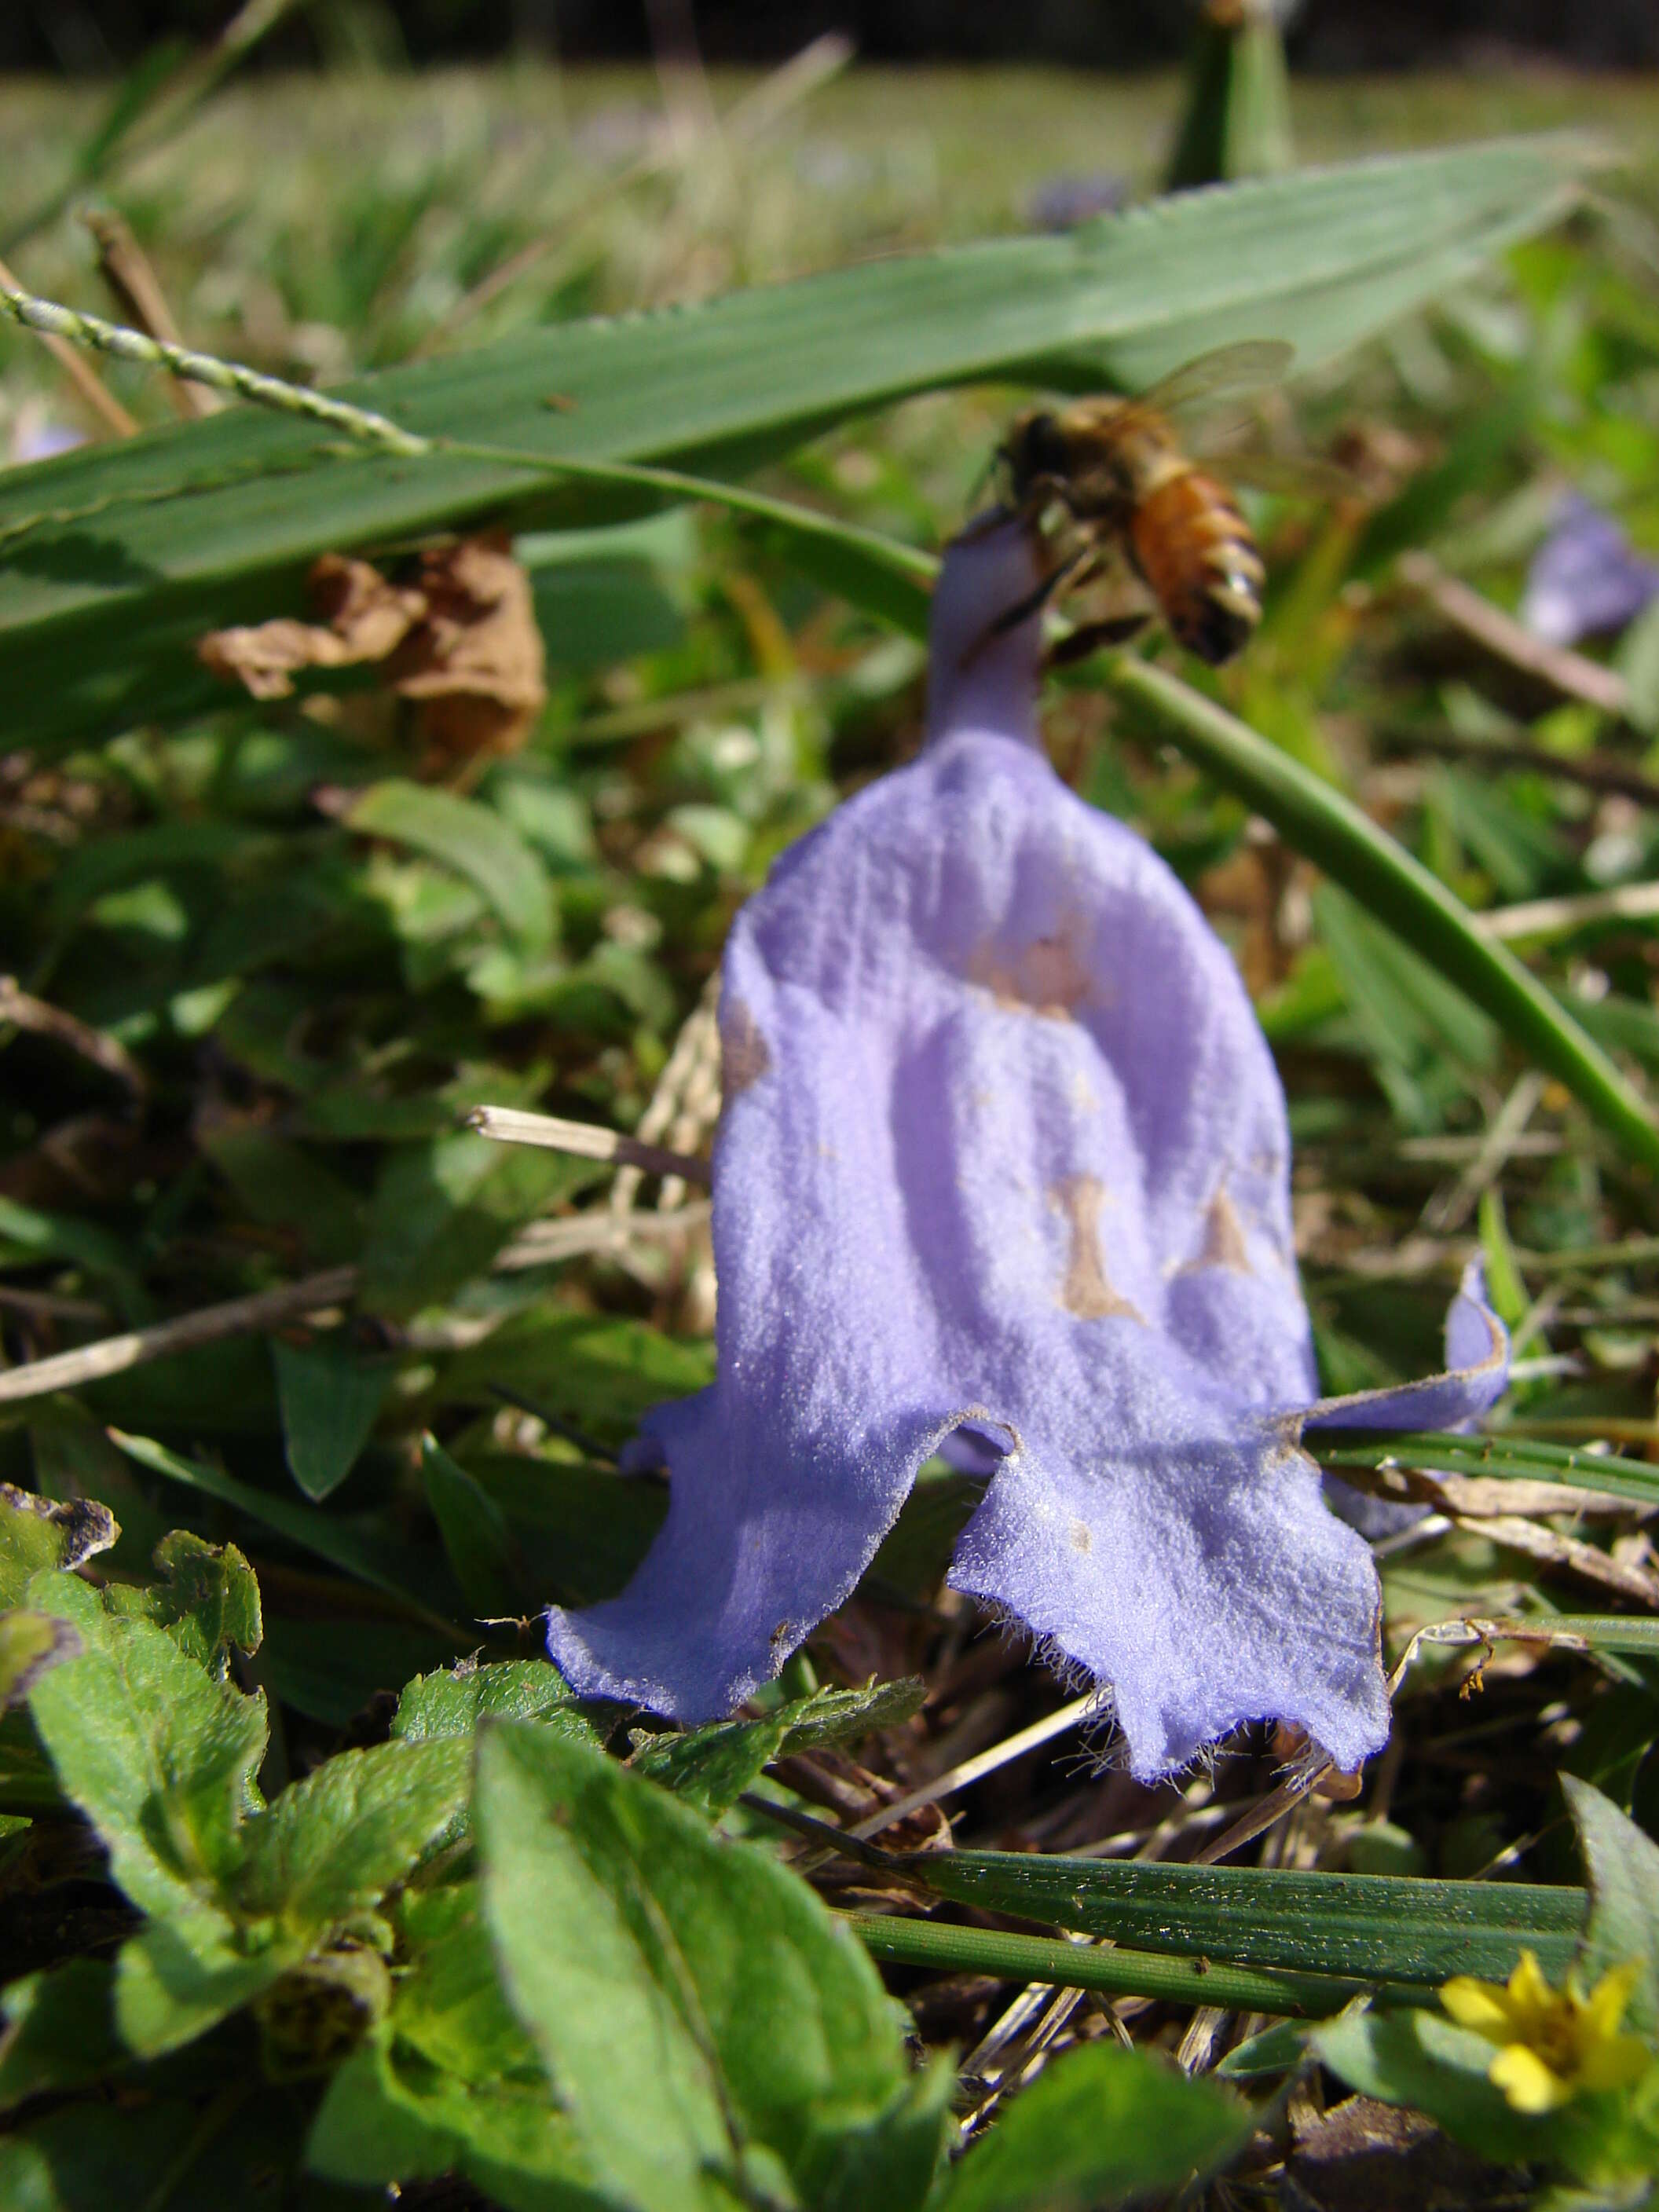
[[462, 642]]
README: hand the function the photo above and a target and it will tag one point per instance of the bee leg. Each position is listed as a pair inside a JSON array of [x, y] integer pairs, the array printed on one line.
[[1023, 610], [1115, 630]]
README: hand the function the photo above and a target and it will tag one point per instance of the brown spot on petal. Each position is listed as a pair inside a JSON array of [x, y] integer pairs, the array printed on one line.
[[1224, 1238], [1085, 1292], [744, 1054], [1047, 976], [1082, 1537]]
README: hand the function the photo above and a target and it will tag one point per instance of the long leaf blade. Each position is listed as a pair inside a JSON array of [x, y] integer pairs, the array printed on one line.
[[113, 561]]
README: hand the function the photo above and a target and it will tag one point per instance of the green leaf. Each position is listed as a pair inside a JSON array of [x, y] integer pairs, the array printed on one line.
[[1099, 2127], [454, 1702], [1355, 1926], [330, 1398], [37, 1533], [332, 1845], [159, 1756], [369, 1560], [208, 1598], [86, 2157], [450, 2081], [218, 522], [580, 1532], [443, 1209], [59, 2031], [172, 1984], [29, 1643], [697, 2010], [482, 849], [1420, 2059], [1622, 1861], [475, 1536], [1520, 1457], [592, 1368], [1316, 819], [711, 1766]]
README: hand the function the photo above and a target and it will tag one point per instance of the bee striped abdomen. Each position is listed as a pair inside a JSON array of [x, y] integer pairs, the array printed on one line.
[[1194, 550]]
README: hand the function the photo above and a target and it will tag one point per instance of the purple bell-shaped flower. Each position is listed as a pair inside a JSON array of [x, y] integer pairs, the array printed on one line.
[[1004, 1168]]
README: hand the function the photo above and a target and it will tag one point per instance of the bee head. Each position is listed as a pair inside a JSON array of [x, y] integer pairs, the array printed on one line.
[[1037, 448]]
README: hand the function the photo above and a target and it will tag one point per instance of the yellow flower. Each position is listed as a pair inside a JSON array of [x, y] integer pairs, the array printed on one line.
[[1553, 2043]]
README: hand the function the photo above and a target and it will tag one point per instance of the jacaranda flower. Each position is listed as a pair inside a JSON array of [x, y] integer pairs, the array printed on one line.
[[1552, 2043], [1004, 1166]]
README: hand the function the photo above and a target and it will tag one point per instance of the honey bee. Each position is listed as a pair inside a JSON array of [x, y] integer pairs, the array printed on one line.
[[1114, 472]]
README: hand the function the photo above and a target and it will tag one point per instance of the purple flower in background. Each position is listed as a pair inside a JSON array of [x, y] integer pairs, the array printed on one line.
[[1585, 579], [1004, 1169]]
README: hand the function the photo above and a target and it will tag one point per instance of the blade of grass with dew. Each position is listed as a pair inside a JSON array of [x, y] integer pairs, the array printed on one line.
[[1350, 1927], [115, 560], [1503, 1457], [1321, 821]]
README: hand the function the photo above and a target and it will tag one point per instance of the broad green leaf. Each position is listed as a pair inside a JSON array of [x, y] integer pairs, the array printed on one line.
[[1316, 819], [1622, 1861], [60, 2031], [34, 1236], [330, 1396], [450, 2081], [696, 2007], [1099, 2127], [29, 1643], [454, 1702], [37, 1533], [172, 1984], [475, 1536], [473, 839], [159, 1756], [218, 521], [388, 2118], [1423, 2060], [1359, 1927], [207, 1599], [325, 1851], [711, 1766], [332, 1845]]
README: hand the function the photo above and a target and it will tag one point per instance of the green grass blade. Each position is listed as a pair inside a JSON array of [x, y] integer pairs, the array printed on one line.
[[1350, 1927], [115, 560], [1117, 1973], [1514, 1459], [1318, 820]]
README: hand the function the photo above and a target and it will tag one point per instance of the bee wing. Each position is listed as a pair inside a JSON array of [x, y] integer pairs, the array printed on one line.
[[1243, 367], [1299, 475]]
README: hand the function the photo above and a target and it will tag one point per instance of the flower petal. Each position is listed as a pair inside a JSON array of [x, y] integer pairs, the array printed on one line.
[[1527, 2083], [1476, 1376], [1483, 2006]]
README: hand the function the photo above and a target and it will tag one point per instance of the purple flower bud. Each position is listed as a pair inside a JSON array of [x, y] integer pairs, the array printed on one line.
[[1004, 1167]]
